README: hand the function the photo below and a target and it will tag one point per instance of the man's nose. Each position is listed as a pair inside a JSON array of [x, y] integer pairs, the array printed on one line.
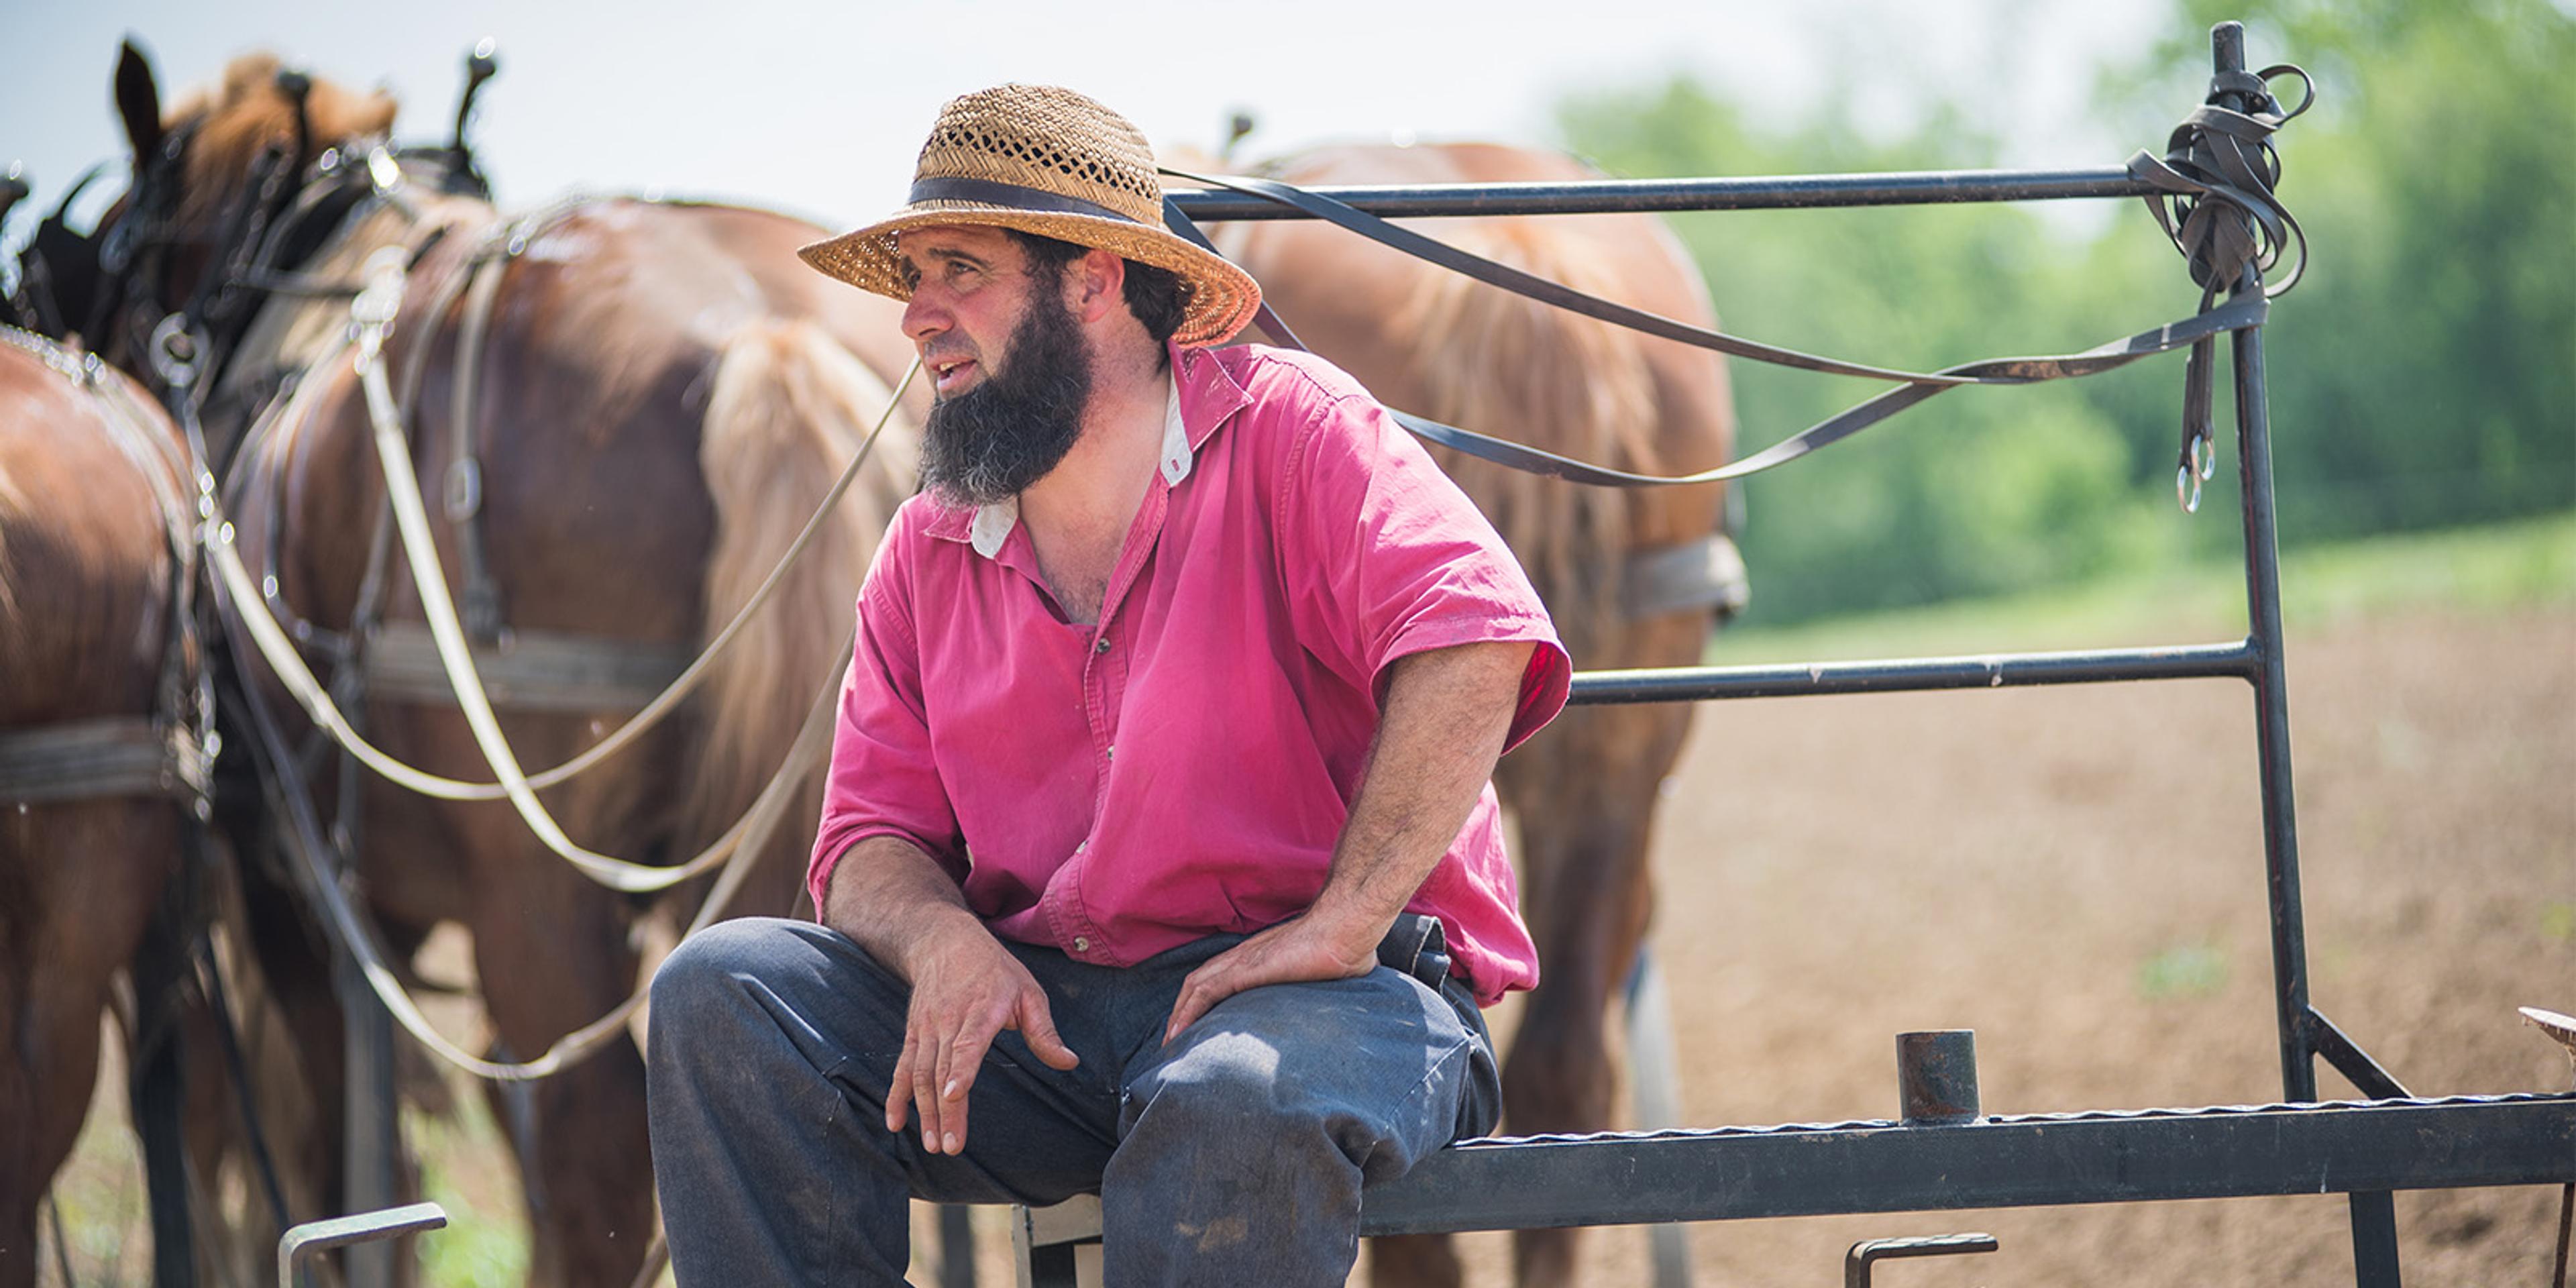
[[923, 318]]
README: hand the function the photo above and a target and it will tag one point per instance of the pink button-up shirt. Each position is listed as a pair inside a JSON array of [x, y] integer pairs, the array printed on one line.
[[1185, 767]]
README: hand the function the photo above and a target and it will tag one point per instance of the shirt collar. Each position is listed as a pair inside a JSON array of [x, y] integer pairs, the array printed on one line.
[[1213, 395], [992, 525]]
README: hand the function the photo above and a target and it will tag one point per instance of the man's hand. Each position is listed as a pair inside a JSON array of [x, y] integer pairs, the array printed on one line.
[[965, 989], [1291, 952], [1447, 712], [891, 900]]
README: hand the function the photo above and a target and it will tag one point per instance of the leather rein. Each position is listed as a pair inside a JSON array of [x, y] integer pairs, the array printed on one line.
[[2215, 201]]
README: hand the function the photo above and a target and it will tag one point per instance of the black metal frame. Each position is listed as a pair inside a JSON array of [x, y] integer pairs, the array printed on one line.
[[2363, 1149], [2357, 1148]]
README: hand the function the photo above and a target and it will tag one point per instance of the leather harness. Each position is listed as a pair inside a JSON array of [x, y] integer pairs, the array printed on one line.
[[166, 753]]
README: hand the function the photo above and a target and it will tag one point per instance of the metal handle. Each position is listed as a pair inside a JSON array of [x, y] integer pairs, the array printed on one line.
[[298, 1246], [1868, 1252]]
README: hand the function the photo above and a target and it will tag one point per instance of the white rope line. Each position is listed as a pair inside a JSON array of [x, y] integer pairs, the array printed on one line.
[[812, 741], [283, 658], [373, 311], [289, 668], [404, 496], [680, 687]]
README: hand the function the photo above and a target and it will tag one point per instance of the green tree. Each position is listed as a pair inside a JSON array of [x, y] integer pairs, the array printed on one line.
[[2423, 374], [1974, 492]]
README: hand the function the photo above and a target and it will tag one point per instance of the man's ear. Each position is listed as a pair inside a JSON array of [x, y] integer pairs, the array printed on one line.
[[1099, 284]]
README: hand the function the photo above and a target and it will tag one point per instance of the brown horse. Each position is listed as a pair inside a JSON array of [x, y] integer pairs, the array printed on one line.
[[96, 682], [659, 395], [1436, 344]]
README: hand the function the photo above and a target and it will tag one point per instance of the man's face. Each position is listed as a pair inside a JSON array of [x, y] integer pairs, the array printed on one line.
[[1006, 357]]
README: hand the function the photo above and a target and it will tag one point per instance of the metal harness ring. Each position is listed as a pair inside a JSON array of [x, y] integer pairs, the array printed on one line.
[[175, 349]]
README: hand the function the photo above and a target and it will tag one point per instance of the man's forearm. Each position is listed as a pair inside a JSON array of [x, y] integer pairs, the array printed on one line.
[[1447, 712], [890, 898]]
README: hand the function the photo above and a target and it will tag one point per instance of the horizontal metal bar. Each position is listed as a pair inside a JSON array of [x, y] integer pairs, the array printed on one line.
[[1610, 196], [1994, 671], [2041, 1161]]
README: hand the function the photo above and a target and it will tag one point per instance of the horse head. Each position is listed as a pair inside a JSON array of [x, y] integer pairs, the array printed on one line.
[[58, 281], [218, 193]]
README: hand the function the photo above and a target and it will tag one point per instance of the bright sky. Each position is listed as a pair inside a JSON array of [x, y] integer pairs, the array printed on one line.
[[819, 108]]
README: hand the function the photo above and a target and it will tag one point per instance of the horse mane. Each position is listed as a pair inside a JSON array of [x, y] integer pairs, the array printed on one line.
[[246, 112], [1512, 367]]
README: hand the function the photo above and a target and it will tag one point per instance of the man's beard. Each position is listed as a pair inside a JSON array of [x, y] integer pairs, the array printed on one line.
[[1004, 434]]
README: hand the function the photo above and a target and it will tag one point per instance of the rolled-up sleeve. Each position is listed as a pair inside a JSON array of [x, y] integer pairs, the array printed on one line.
[[1377, 536], [883, 780]]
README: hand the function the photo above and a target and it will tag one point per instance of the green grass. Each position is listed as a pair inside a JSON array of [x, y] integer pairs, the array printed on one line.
[[463, 1168], [2489, 569], [2197, 969]]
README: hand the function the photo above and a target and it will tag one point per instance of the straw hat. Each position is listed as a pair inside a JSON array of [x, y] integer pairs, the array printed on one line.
[[1052, 162]]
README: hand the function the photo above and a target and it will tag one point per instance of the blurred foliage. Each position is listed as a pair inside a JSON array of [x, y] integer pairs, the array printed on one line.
[[2423, 375], [2191, 970]]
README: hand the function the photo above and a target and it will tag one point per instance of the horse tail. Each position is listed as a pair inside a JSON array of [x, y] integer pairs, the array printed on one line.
[[788, 408], [1508, 366]]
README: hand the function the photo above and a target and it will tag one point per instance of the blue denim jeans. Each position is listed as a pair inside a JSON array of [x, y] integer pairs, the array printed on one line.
[[1235, 1155]]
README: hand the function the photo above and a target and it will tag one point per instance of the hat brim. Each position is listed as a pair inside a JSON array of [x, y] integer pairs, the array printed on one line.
[[1222, 297]]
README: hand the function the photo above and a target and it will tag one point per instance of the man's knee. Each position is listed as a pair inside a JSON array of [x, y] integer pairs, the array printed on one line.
[[1234, 1092], [705, 968]]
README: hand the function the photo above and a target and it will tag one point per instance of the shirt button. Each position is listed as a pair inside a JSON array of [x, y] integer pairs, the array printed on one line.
[[1081, 944], [1110, 753], [1080, 846], [1100, 645]]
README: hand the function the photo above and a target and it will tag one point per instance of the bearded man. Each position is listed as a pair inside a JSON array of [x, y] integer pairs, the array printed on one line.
[[1158, 843]]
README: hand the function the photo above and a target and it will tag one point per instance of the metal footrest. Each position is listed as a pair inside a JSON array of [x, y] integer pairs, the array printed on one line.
[[2027, 1160]]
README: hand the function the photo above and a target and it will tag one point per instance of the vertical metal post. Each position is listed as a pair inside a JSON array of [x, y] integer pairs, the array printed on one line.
[[2271, 687], [956, 1246], [370, 1112], [2272, 726], [2374, 1216], [2374, 1240]]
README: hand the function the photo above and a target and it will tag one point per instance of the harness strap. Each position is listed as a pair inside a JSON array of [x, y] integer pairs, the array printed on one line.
[[251, 605], [529, 671], [1694, 576], [106, 756], [304, 838], [464, 486], [2241, 312]]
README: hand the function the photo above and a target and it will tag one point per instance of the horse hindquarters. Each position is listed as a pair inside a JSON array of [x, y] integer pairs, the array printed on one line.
[[85, 570]]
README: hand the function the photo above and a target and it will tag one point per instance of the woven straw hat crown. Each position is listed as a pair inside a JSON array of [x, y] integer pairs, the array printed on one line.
[[1049, 161]]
